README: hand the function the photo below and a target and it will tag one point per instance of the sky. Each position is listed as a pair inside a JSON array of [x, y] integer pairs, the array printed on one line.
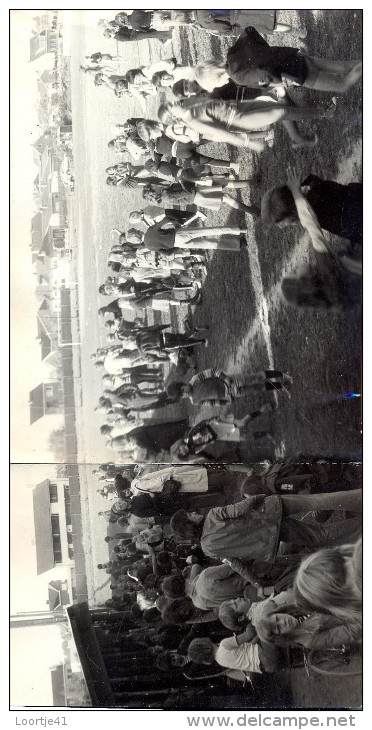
[[40, 647], [28, 443]]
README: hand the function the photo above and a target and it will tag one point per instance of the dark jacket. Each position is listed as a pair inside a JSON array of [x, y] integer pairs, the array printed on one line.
[[252, 62], [339, 208], [157, 238], [248, 529]]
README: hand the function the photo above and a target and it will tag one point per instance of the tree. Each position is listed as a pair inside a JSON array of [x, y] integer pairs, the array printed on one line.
[[57, 443]]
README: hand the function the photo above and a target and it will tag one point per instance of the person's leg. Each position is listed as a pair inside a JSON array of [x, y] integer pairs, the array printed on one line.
[[270, 114], [352, 500], [265, 408], [238, 184], [174, 340], [282, 28], [297, 139], [237, 205], [214, 161], [314, 535], [191, 238], [333, 76]]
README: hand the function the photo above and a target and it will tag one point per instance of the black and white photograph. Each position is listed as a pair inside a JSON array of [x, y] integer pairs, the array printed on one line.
[[186, 359]]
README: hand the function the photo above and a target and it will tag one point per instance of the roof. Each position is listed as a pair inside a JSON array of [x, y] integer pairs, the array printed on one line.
[[54, 594], [36, 401], [58, 686], [47, 329], [43, 527]]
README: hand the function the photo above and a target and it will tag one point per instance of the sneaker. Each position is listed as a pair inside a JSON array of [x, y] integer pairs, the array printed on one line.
[[206, 342], [235, 167], [287, 380]]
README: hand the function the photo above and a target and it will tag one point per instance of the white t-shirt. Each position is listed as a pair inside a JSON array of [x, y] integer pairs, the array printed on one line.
[[244, 657]]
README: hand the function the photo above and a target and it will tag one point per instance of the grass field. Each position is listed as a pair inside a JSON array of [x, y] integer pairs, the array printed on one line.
[[251, 328]]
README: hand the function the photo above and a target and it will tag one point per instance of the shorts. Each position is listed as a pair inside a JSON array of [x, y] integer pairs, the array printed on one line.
[[312, 73]]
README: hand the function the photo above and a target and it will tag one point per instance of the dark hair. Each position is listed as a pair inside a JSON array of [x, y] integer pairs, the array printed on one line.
[[277, 204], [131, 75], [105, 429], [164, 562], [201, 651], [228, 616], [164, 662], [157, 78], [121, 482], [178, 89], [151, 615], [182, 528], [175, 390], [174, 586], [178, 611]]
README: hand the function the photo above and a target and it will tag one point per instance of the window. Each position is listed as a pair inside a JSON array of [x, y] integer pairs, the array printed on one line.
[[53, 492], [56, 537]]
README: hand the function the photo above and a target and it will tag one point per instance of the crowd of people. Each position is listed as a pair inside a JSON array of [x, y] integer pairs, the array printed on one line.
[[211, 567]]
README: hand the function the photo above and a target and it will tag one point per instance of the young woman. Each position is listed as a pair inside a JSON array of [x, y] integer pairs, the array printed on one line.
[[196, 193], [278, 621], [334, 281], [325, 581], [242, 123]]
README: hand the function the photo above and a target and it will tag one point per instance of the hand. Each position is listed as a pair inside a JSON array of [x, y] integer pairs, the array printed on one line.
[[226, 561], [293, 180]]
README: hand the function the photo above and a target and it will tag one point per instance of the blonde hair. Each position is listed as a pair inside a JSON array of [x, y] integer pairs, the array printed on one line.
[[325, 582]]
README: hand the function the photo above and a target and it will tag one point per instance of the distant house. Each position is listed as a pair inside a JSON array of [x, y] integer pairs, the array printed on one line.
[[49, 231], [47, 333], [46, 36], [45, 400], [53, 537], [57, 676]]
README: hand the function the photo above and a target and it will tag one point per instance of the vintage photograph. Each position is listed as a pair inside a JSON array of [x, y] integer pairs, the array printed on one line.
[[186, 295]]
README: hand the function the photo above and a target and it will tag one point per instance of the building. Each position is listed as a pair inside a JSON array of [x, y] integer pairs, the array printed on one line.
[[45, 400], [49, 230], [47, 333], [53, 536], [46, 37]]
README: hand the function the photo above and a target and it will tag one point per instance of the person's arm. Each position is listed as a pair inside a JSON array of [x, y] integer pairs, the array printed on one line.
[[252, 37], [214, 131], [232, 511], [327, 632], [196, 569], [305, 212], [249, 636], [243, 570], [107, 81]]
